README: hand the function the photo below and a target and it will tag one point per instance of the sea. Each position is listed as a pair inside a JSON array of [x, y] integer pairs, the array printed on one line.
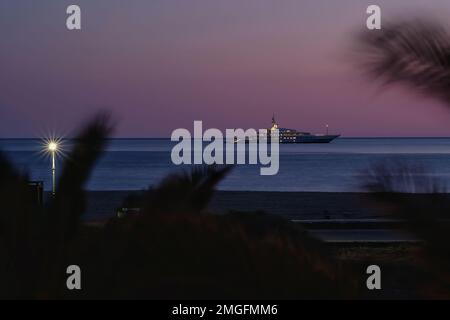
[[339, 166]]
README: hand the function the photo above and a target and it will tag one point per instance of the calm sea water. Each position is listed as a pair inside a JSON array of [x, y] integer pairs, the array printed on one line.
[[131, 164]]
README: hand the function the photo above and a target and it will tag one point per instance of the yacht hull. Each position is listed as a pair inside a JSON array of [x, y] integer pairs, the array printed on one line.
[[314, 139], [298, 139]]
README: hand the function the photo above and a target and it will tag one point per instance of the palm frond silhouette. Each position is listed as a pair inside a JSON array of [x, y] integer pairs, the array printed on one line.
[[68, 205], [415, 53], [191, 189], [34, 241]]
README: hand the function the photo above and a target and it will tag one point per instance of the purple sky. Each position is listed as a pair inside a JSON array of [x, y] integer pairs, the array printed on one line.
[[159, 65]]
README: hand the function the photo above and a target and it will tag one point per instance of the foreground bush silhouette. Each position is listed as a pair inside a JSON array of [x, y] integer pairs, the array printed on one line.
[[414, 53], [410, 192], [174, 248], [35, 242]]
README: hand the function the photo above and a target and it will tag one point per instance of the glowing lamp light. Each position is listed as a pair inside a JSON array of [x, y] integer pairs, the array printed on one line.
[[52, 146]]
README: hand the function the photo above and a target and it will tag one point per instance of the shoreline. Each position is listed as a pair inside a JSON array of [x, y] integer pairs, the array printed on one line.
[[291, 205]]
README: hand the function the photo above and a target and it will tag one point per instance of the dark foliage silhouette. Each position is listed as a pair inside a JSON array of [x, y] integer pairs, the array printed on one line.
[[188, 252], [414, 194], [414, 52], [34, 242], [193, 190], [402, 176], [173, 248]]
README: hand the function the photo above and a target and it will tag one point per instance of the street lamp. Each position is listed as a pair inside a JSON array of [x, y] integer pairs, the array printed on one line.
[[52, 147]]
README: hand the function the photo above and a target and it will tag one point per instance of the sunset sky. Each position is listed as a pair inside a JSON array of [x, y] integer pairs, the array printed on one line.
[[159, 65]]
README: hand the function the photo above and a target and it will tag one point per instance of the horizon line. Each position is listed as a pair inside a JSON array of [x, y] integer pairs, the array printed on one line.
[[168, 138]]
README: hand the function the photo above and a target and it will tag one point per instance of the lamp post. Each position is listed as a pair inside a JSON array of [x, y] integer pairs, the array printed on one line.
[[52, 148]]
